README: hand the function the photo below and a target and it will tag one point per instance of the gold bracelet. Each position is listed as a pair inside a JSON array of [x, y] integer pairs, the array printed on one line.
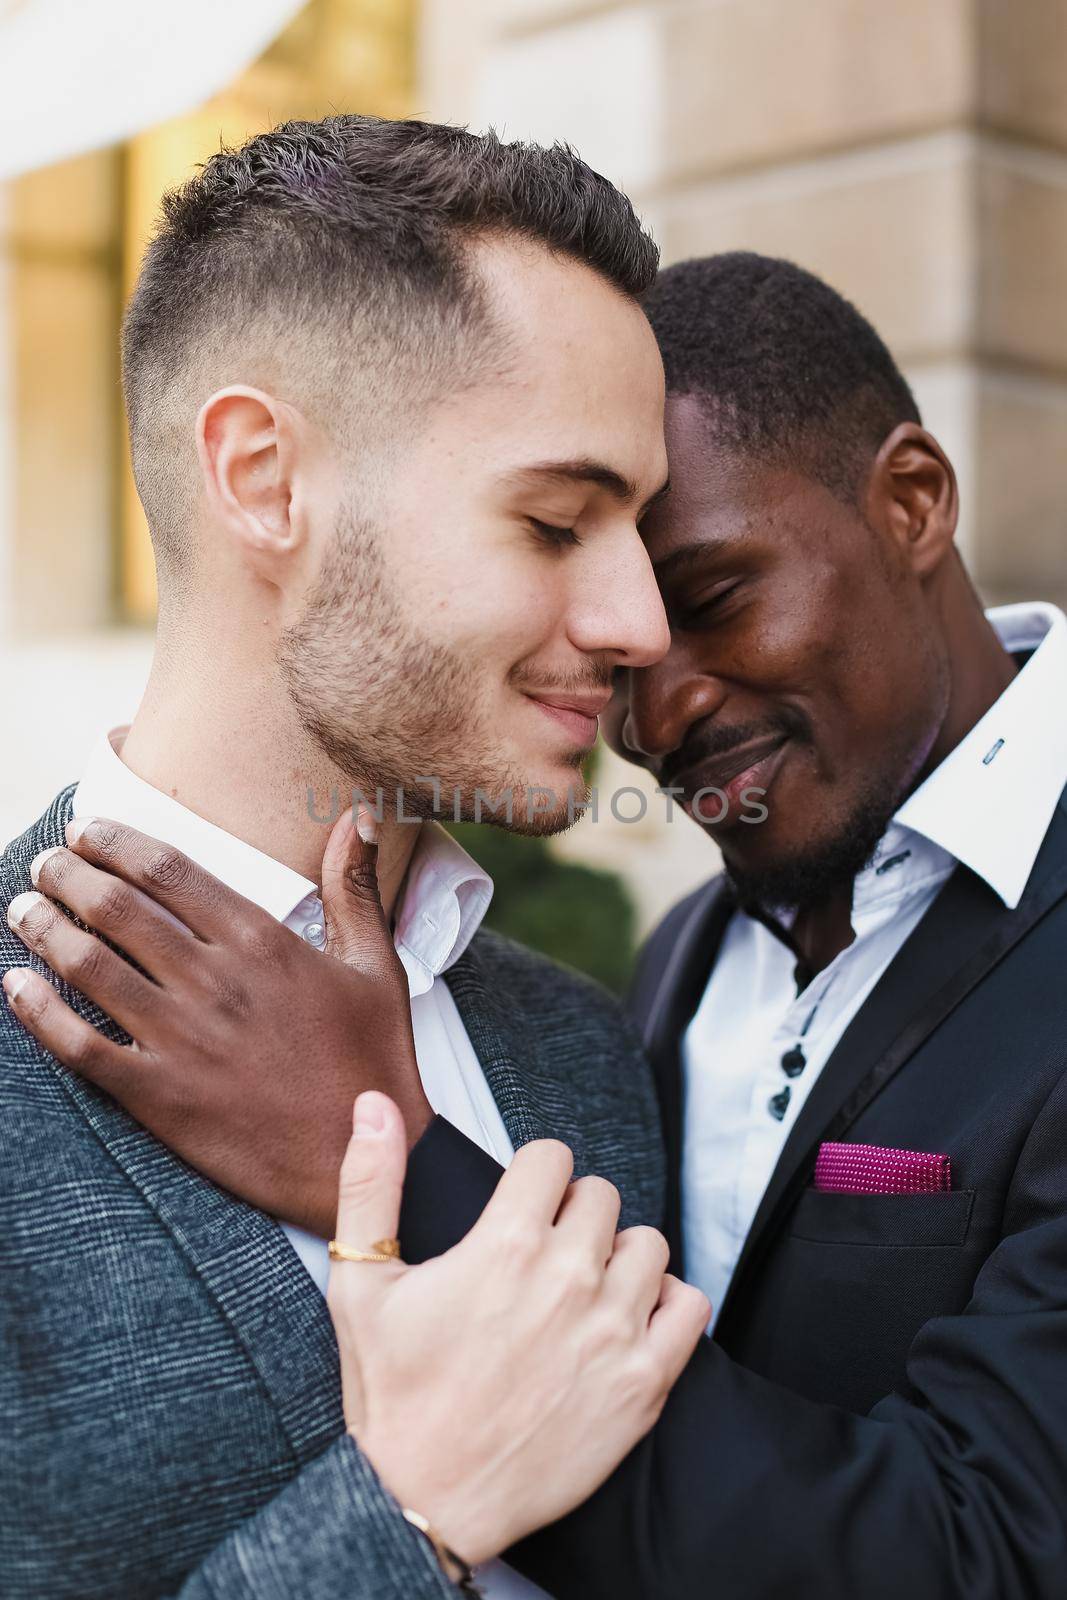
[[454, 1567]]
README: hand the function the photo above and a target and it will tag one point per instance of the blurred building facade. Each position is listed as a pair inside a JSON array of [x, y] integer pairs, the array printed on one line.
[[914, 155], [76, 579]]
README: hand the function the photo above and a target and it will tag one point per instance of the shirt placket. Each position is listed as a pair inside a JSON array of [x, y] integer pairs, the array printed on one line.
[[768, 1131]]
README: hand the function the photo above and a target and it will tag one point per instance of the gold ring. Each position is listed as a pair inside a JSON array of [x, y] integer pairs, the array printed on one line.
[[380, 1250]]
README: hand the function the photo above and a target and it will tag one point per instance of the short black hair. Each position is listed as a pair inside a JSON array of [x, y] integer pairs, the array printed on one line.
[[786, 368], [346, 239]]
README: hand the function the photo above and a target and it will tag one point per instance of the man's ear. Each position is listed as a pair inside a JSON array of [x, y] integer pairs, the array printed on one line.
[[247, 442], [912, 495]]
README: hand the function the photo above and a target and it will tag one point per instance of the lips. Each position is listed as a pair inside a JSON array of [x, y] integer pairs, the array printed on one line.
[[577, 713], [748, 766]]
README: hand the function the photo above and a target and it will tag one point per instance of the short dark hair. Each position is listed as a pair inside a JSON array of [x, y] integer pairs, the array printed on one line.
[[786, 367], [350, 225]]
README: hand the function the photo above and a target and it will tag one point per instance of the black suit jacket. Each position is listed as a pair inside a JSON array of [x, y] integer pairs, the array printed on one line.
[[883, 1410]]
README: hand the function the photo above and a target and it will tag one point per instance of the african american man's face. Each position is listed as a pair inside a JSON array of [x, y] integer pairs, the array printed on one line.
[[805, 662]]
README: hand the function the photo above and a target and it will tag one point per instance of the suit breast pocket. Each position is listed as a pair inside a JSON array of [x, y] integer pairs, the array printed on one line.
[[897, 1221], [850, 1281]]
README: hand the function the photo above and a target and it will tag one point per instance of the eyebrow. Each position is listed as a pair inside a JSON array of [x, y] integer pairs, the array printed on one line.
[[585, 470], [690, 555]]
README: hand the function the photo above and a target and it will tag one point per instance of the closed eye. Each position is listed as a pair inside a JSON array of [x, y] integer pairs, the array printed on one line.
[[554, 535], [694, 615]]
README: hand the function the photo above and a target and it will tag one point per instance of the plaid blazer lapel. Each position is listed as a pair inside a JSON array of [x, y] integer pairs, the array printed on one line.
[[242, 1256], [490, 1026], [562, 1066]]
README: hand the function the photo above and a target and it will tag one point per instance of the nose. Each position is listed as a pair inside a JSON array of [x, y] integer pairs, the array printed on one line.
[[618, 612], [665, 700]]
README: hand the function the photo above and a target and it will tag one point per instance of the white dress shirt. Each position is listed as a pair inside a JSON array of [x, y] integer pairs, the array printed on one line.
[[989, 805], [444, 898]]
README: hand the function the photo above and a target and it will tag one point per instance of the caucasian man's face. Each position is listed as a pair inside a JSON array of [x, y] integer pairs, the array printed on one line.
[[470, 633]]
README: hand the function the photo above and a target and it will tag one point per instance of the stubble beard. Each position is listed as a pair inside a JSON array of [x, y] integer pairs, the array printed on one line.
[[811, 877], [393, 710]]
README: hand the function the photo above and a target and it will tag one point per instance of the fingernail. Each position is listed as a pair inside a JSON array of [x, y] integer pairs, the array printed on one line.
[[18, 908], [38, 861], [367, 825], [370, 1117], [76, 827], [14, 982]]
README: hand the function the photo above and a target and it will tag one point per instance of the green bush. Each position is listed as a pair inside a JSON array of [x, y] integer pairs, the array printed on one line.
[[577, 914]]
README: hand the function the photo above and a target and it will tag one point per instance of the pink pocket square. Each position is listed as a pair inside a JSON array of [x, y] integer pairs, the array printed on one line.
[[869, 1169]]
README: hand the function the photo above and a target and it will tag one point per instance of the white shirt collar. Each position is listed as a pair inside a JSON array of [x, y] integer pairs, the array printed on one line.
[[445, 897], [109, 789], [442, 903], [990, 802]]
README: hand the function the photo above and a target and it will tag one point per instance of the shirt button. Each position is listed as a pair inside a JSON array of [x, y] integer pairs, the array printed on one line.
[[793, 1062], [315, 934], [778, 1104]]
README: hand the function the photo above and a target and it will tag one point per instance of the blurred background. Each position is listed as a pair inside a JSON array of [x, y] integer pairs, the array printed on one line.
[[915, 155]]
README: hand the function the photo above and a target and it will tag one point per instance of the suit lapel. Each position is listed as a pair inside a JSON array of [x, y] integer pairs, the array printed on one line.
[[962, 937], [672, 998], [561, 1063], [241, 1256], [523, 1098]]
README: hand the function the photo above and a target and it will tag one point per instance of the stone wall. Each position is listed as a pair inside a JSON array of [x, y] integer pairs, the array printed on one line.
[[915, 155]]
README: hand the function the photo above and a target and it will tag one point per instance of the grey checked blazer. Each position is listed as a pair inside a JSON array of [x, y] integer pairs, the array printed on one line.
[[170, 1409]]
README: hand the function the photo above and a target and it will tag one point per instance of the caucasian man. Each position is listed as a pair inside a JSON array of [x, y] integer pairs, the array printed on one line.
[[395, 414]]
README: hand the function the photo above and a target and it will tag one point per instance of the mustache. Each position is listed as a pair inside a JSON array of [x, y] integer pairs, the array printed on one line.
[[594, 681], [707, 742]]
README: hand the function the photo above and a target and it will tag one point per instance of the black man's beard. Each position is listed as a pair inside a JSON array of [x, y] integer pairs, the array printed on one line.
[[812, 877]]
